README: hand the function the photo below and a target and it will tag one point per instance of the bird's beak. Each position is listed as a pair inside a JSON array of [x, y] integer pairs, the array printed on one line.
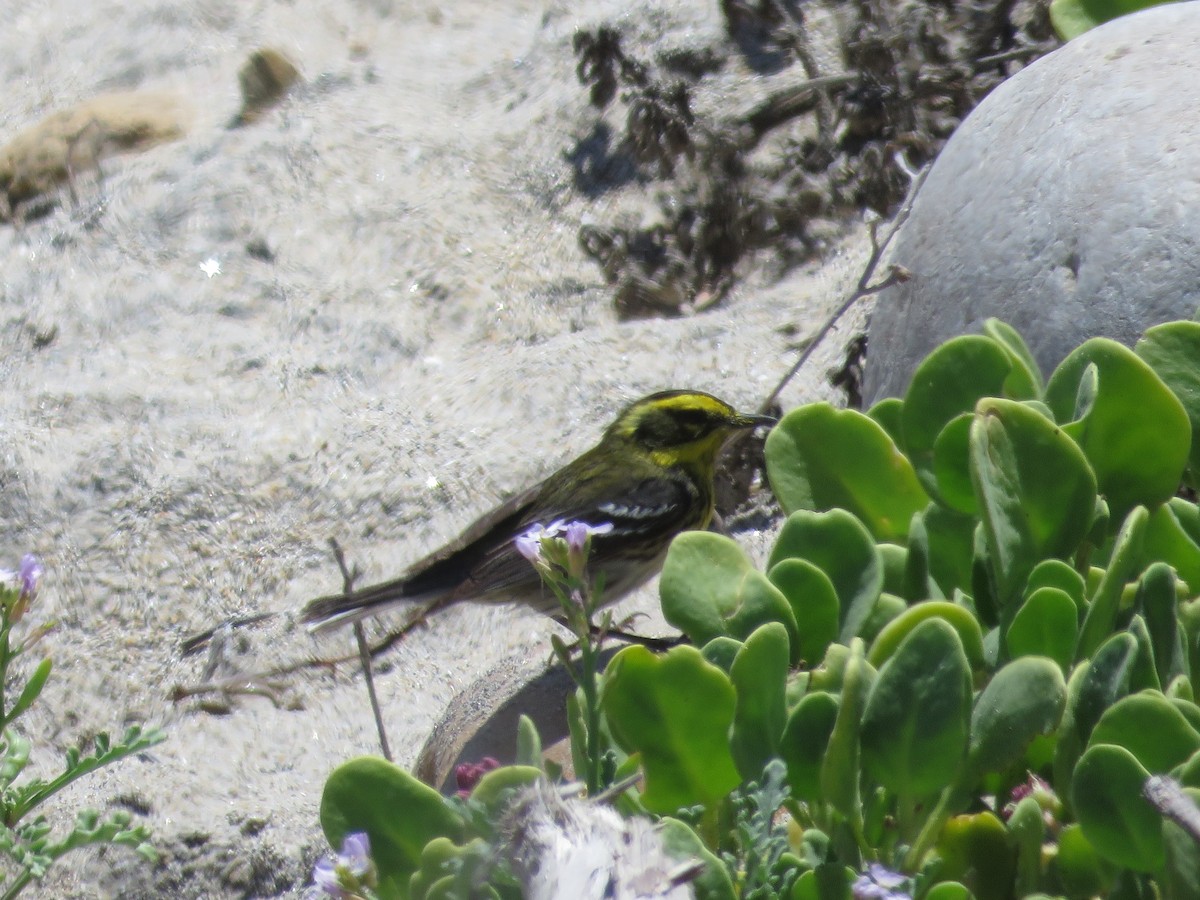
[[740, 421]]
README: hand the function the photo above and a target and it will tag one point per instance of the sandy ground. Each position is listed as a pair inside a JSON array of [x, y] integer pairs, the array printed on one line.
[[425, 337]]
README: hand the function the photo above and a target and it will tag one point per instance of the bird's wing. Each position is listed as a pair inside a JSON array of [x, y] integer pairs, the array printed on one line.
[[645, 514]]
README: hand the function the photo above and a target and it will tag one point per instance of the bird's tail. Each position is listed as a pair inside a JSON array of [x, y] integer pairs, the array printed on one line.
[[327, 613]]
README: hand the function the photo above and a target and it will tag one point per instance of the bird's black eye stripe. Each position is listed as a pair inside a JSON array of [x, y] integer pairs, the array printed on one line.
[[667, 428]]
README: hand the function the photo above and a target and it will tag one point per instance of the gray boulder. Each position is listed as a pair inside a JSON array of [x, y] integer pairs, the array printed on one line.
[[1067, 204]]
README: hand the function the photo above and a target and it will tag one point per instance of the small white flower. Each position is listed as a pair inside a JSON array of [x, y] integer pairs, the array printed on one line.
[[211, 267]]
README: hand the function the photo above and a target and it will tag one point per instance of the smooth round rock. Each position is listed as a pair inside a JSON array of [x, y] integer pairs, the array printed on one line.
[[1067, 204]]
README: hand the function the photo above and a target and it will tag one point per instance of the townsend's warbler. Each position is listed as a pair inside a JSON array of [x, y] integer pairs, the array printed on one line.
[[650, 477]]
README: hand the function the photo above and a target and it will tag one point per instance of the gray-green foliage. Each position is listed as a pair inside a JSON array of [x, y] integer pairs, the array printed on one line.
[[28, 841]]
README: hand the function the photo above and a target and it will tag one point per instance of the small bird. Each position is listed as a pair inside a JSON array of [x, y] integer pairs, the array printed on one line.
[[649, 478]]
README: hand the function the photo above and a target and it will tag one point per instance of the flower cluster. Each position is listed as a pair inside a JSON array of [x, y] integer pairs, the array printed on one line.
[[467, 775], [560, 547]]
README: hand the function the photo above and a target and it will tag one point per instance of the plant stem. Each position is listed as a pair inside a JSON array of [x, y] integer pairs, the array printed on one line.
[[587, 662], [17, 885]]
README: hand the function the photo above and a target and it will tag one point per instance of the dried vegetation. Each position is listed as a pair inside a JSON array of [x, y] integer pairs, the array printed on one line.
[[783, 174]]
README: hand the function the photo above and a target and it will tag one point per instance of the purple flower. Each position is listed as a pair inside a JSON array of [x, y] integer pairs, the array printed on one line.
[[31, 573], [579, 538], [24, 582], [353, 869], [529, 543], [468, 774], [578, 534], [356, 854], [880, 883]]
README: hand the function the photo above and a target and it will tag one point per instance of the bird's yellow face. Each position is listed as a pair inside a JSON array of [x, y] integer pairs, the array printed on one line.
[[680, 427]]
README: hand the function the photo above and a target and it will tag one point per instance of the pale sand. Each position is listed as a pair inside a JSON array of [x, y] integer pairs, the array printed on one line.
[[428, 338]]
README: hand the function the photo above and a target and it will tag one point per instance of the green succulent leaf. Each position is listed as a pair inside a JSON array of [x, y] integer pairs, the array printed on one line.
[[819, 457], [759, 675], [806, 741], [1025, 380], [1167, 541], [841, 547], [1047, 624], [814, 603], [914, 727], [1080, 869], [1135, 433], [978, 844], [888, 413], [1171, 350], [952, 465], [840, 769], [1023, 701], [1150, 727], [893, 634], [948, 383], [710, 588], [1157, 598], [1035, 489], [676, 711], [1101, 615], [1071, 18], [1054, 573], [1027, 828], [1117, 820], [951, 538], [399, 814], [1107, 679], [949, 890]]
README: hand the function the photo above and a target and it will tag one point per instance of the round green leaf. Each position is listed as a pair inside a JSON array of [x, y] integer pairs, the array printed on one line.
[[1105, 681], [814, 603], [1079, 867], [1024, 700], [949, 890], [914, 727], [399, 814], [495, 788], [805, 743], [759, 675], [1034, 487], [1167, 541], [948, 383], [710, 588], [1106, 793], [819, 457], [978, 844], [1055, 573], [1171, 350], [1135, 433], [888, 412], [841, 547], [893, 634], [1025, 380], [951, 538], [676, 711], [1047, 624], [951, 465], [1150, 727]]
